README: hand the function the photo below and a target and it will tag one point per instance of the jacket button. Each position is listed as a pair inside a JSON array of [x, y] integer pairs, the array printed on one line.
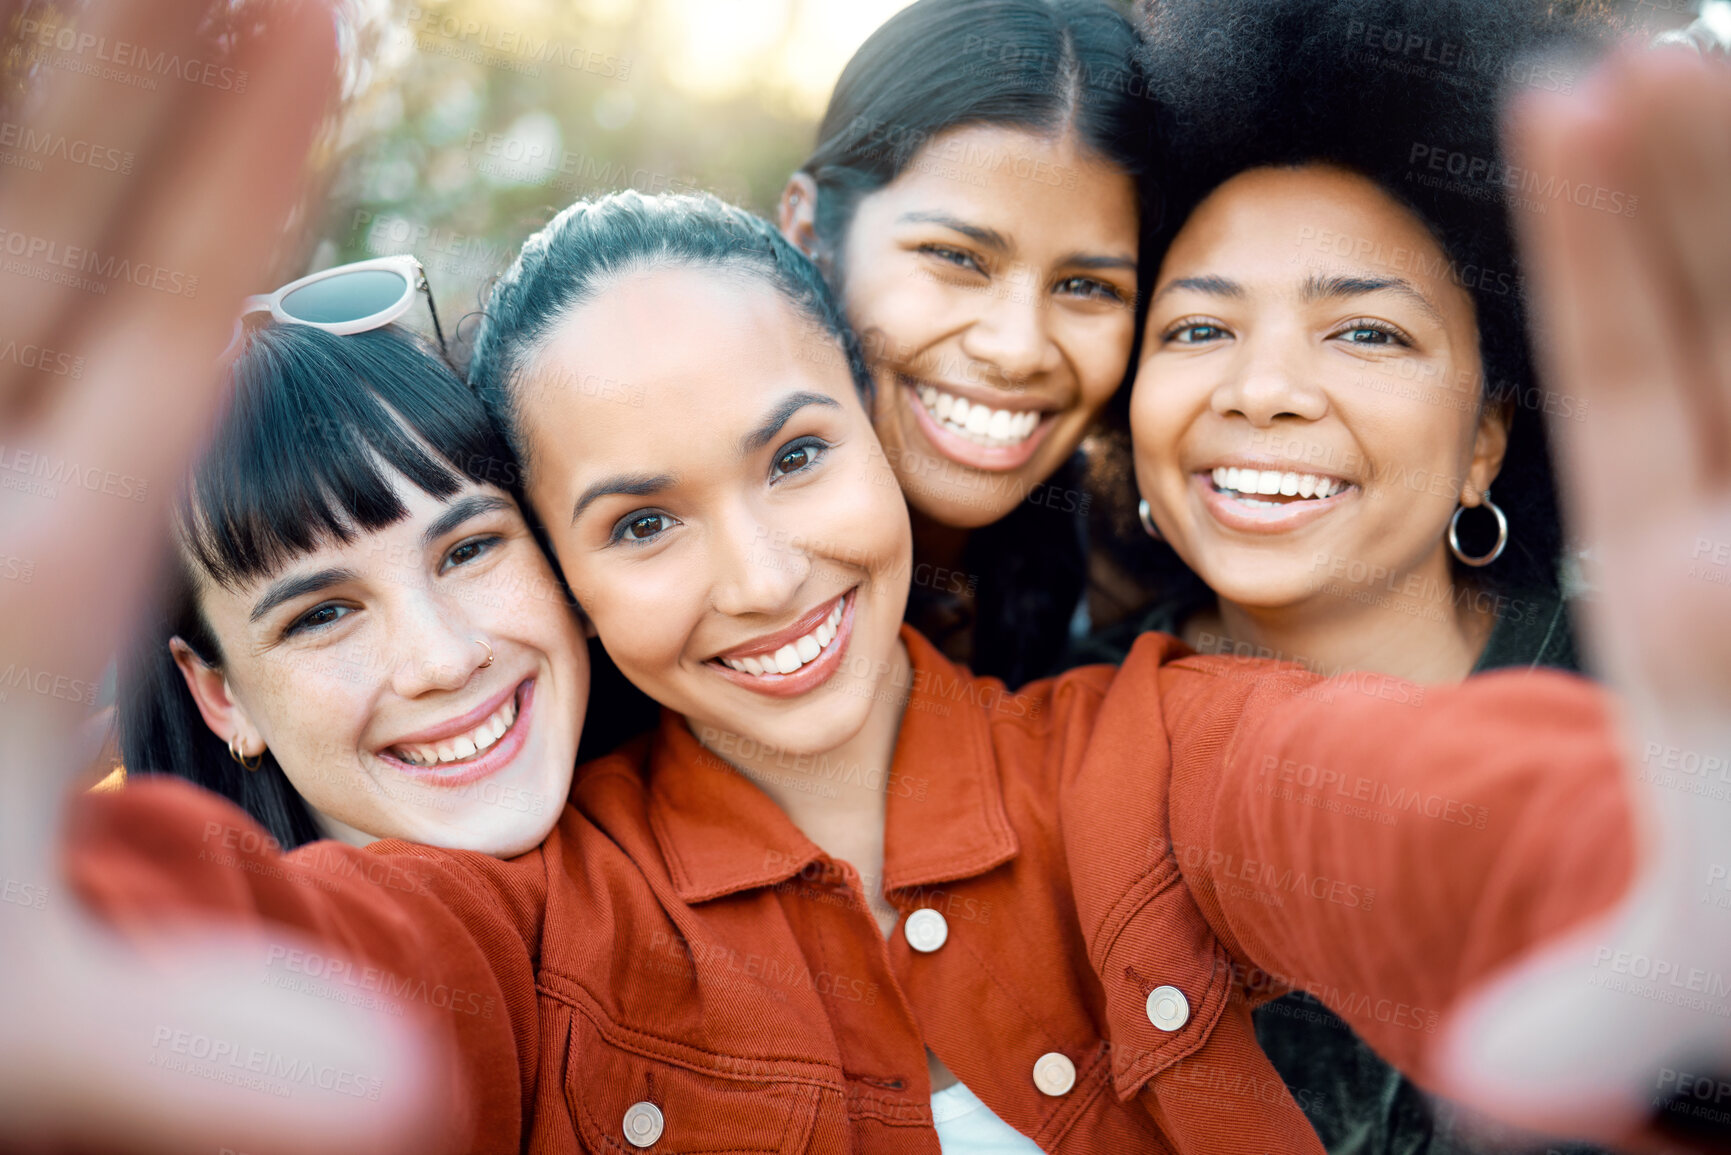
[[926, 930], [643, 1124], [1054, 1074], [1168, 1009]]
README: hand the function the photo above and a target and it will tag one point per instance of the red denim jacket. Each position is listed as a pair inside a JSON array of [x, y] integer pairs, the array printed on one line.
[[1113, 867]]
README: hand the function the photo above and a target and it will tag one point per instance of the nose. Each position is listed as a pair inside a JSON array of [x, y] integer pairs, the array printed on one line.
[[436, 643], [1268, 381], [758, 566], [1011, 333]]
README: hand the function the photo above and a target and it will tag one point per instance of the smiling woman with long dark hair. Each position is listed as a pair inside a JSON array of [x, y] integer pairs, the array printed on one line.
[[975, 199]]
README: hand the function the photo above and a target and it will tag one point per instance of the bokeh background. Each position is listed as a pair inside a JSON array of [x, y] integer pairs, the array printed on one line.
[[467, 124]]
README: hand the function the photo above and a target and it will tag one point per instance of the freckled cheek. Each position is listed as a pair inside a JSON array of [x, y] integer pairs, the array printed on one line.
[[316, 727]]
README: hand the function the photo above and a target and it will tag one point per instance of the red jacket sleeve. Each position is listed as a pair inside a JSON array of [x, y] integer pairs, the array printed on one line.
[[1386, 845], [448, 937]]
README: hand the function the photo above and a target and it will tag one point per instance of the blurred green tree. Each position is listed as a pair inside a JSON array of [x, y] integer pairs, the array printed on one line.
[[468, 123]]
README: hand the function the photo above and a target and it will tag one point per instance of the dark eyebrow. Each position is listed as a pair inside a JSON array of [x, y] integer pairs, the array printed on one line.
[[990, 238], [289, 588], [1213, 286], [1322, 288], [1095, 261], [630, 484], [647, 484], [777, 417], [462, 510]]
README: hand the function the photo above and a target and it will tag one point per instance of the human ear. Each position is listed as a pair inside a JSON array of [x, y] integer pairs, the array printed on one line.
[[1490, 444], [796, 215], [226, 717]]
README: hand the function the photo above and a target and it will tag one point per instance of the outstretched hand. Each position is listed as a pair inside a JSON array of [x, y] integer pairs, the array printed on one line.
[[164, 180], [1634, 317]]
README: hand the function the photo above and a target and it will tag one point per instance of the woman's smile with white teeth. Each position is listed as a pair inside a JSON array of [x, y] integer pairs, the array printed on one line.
[[979, 423], [794, 654], [464, 746], [1247, 484]]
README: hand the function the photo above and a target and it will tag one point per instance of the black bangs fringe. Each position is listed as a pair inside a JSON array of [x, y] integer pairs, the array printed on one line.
[[317, 427]]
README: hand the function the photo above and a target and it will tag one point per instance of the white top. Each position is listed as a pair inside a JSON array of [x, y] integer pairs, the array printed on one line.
[[967, 1126]]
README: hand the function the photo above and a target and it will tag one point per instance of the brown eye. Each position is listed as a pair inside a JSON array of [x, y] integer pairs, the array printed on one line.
[[1367, 332], [317, 618], [468, 551], [641, 527], [645, 527], [1196, 334], [951, 256], [1090, 289], [797, 457]]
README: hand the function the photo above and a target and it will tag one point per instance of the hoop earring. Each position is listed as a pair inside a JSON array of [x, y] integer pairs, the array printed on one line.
[[1146, 517], [489, 660], [1496, 550], [249, 764]]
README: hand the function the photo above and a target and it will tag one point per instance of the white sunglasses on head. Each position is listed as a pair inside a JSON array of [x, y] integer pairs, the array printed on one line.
[[353, 298]]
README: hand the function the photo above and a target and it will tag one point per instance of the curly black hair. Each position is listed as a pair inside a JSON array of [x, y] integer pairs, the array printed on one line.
[[1407, 93]]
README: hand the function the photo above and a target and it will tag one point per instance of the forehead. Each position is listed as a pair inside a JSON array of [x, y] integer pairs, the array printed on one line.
[[1290, 222], [1024, 183], [676, 348]]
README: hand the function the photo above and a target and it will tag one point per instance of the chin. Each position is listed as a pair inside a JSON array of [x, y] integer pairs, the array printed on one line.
[[963, 508], [507, 839], [825, 721], [1275, 592], [510, 846]]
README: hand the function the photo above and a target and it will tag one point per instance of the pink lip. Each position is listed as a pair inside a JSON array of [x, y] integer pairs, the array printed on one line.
[[499, 755], [461, 724], [809, 676], [957, 448], [1279, 519], [769, 643]]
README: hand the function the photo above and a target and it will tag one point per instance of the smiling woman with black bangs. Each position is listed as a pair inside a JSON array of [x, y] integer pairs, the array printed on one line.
[[360, 637]]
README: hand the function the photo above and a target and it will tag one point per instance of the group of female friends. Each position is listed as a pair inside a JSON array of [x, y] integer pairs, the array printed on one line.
[[849, 895]]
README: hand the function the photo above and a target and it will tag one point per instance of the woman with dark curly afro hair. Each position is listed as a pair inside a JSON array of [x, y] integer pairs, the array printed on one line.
[[1334, 372]]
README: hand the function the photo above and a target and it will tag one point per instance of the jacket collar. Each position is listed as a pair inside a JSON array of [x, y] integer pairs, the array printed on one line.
[[720, 834]]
